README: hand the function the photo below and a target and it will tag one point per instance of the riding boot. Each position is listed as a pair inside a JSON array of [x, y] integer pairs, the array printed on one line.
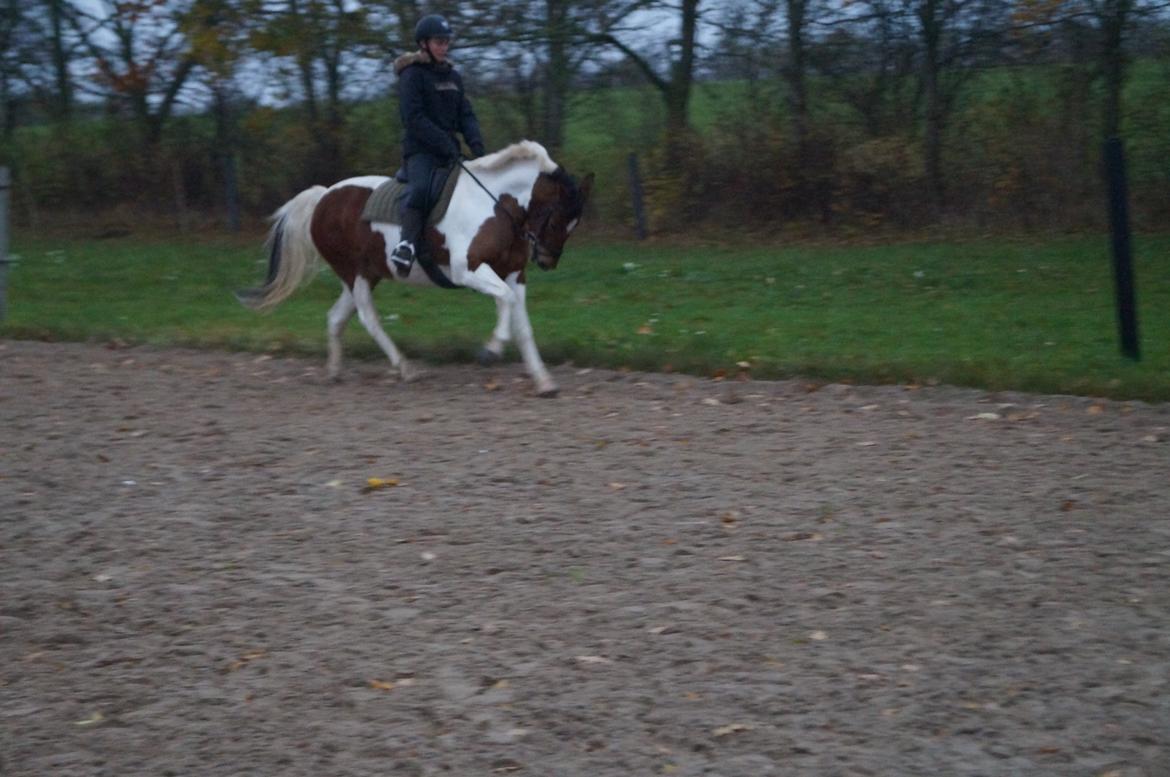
[[409, 244]]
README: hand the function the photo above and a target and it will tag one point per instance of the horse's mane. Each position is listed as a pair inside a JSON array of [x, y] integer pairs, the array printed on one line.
[[525, 149]]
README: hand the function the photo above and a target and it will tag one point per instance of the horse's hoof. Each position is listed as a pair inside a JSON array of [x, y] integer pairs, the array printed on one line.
[[409, 373], [487, 357], [547, 391], [334, 377]]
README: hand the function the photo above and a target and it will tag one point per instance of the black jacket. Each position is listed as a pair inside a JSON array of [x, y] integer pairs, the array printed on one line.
[[433, 107]]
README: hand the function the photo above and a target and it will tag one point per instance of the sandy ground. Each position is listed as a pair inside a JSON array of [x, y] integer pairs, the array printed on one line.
[[651, 574]]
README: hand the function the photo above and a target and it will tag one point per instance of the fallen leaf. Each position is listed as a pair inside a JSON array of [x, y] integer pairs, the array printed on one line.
[[1096, 409], [1067, 505], [645, 329], [246, 658], [984, 417], [373, 484], [732, 728], [711, 401], [617, 486], [733, 558], [594, 660], [97, 717], [818, 636], [381, 685], [491, 385]]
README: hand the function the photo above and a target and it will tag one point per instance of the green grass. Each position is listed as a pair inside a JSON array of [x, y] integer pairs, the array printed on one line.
[[993, 314]]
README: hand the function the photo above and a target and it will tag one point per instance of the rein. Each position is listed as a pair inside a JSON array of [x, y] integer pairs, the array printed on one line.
[[533, 240]]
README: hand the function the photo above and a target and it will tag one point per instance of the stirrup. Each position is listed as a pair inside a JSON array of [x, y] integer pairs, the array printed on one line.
[[403, 257]]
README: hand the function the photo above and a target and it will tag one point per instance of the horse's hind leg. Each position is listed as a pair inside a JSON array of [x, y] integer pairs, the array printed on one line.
[[364, 301], [339, 315], [493, 350]]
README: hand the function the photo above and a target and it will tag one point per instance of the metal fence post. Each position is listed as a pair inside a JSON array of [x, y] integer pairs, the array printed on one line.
[[1123, 274], [5, 185]]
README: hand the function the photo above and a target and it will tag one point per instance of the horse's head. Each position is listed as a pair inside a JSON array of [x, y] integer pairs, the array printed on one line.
[[555, 209]]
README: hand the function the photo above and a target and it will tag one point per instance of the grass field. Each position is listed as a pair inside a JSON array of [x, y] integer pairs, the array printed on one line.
[[996, 314]]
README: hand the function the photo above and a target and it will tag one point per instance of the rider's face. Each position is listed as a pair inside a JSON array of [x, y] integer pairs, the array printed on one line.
[[438, 48]]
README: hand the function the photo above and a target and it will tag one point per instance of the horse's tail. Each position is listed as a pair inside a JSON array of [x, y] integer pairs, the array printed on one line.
[[292, 257]]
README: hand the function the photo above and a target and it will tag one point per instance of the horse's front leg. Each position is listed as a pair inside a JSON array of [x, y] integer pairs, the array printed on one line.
[[486, 281], [493, 350], [522, 330]]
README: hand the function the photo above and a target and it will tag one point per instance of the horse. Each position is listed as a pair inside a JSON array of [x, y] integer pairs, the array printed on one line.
[[507, 209]]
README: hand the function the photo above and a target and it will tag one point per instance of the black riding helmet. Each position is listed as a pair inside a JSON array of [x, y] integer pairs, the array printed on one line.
[[433, 26]]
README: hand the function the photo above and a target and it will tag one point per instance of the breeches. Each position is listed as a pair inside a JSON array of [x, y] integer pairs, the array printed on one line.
[[420, 169]]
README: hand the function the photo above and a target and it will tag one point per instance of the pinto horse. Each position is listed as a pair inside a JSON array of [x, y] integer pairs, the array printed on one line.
[[511, 207]]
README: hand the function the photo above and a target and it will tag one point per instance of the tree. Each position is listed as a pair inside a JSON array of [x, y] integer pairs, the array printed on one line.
[[941, 42], [39, 48], [953, 36], [558, 71], [219, 33], [613, 27], [869, 56], [1112, 23], [322, 38], [11, 29], [140, 57], [57, 15]]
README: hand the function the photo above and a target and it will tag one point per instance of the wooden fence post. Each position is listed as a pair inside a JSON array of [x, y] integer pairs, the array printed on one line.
[[636, 195], [182, 215], [5, 186]]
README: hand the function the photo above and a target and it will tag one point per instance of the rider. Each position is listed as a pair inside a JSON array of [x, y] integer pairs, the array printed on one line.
[[433, 108]]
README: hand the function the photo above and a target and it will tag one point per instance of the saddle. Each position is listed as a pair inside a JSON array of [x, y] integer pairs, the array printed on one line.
[[386, 202]]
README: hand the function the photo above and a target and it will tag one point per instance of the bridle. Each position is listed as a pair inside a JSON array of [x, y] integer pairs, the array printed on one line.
[[535, 246]]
